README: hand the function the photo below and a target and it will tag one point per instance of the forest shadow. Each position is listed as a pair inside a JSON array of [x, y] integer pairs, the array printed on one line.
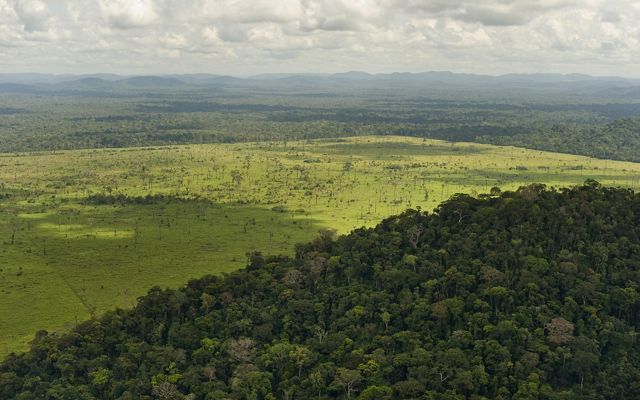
[[393, 150]]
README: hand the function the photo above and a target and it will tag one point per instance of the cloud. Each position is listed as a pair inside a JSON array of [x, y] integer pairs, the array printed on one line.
[[175, 41], [127, 14], [493, 17], [255, 11], [232, 32], [610, 16], [34, 14], [252, 36], [486, 12], [331, 23]]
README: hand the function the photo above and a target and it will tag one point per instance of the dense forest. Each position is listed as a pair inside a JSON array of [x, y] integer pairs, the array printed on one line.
[[616, 140], [571, 114], [530, 294]]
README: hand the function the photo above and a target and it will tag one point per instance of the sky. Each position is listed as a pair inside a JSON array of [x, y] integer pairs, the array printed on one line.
[[244, 37]]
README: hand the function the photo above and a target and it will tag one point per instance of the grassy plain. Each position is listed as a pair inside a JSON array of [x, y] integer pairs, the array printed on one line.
[[63, 259]]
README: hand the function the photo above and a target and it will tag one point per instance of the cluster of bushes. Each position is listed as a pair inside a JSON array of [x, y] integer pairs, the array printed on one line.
[[123, 199]]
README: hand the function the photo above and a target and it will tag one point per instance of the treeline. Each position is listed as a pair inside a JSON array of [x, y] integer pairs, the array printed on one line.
[[619, 140], [123, 199], [589, 126], [530, 294], [6, 193]]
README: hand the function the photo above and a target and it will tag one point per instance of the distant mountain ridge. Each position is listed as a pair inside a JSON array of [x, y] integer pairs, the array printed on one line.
[[207, 79], [574, 85]]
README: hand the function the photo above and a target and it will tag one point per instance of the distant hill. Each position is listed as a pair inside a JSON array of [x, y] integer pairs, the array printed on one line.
[[273, 76], [151, 82], [16, 88], [28, 78], [355, 76], [206, 79], [85, 83], [530, 294]]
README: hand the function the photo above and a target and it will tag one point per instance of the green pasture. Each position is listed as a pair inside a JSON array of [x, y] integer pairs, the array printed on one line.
[[64, 259]]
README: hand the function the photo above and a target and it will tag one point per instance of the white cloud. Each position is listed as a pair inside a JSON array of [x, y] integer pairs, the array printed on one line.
[[250, 36], [34, 14], [241, 11], [125, 14]]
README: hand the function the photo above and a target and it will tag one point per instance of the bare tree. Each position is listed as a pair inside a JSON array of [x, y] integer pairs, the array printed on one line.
[[560, 330], [241, 350]]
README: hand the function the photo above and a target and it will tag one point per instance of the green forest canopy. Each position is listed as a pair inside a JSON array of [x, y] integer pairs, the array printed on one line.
[[529, 294], [598, 119]]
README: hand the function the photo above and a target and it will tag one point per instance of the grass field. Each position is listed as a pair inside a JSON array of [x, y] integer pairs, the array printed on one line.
[[63, 258]]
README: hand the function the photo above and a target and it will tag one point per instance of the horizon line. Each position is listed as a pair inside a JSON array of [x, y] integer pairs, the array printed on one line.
[[320, 74]]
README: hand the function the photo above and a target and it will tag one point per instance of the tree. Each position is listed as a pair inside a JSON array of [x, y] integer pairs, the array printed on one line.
[[100, 378], [584, 359], [411, 261], [346, 167], [166, 391], [376, 393], [301, 357], [559, 330], [250, 383], [347, 379], [385, 316], [414, 234], [511, 302], [207, 301], [236, 177], [241, 350], [318, 382]]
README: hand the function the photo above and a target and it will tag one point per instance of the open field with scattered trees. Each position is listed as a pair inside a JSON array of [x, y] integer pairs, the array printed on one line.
[[85, 231]]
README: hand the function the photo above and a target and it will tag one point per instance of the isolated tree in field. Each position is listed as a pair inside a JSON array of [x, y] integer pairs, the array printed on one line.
[[14, 230], [236, 177], [346, 167]]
